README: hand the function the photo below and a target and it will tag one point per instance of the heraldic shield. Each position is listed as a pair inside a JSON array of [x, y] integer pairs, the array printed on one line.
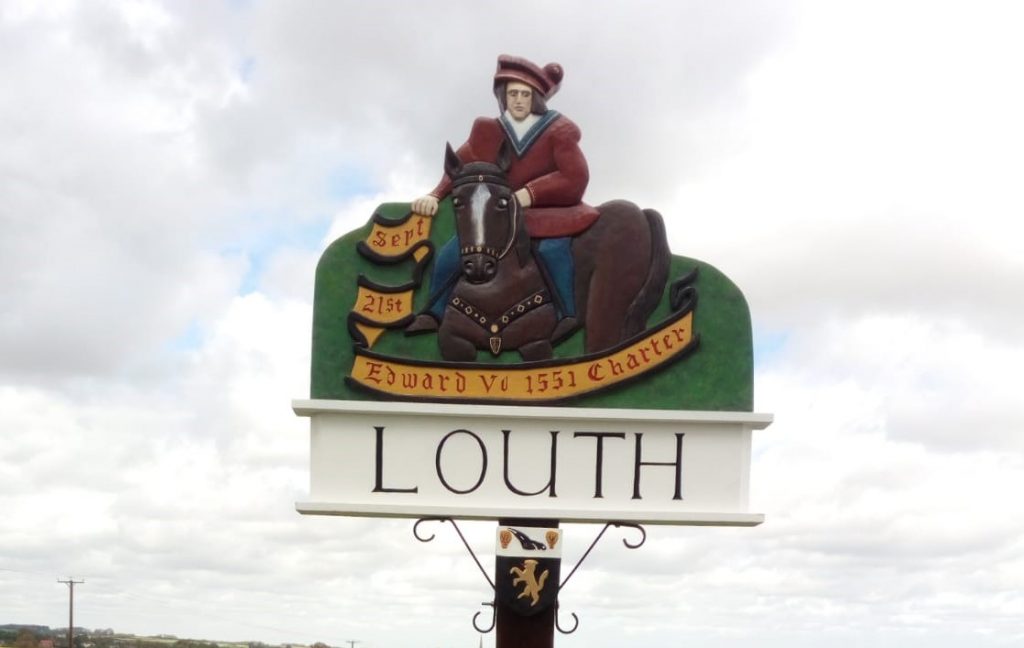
[[528, 561]]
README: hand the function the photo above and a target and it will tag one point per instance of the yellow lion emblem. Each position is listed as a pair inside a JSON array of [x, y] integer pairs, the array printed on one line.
[[527, 575]]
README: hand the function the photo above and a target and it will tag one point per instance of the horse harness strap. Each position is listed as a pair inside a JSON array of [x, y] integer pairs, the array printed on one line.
[[474, 178], [497, 325], [480, 249]]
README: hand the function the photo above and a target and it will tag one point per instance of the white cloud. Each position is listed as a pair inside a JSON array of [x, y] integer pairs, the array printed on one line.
[[104, 205]]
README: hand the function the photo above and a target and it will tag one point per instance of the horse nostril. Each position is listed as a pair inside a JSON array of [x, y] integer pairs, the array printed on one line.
[[479, 268]]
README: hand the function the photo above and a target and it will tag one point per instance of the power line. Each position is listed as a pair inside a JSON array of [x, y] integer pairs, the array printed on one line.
[[70, 582]]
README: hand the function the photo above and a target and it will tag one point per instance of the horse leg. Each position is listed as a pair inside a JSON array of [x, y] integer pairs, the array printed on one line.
[[619, 290], [607, 304], [538, 350], [650, 292], [455, 348]]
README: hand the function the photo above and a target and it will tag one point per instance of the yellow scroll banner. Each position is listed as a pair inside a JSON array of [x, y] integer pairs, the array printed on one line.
[[544, 382], [377, 307], [391, 239]]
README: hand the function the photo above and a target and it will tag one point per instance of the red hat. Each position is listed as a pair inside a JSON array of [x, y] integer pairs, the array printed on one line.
[[544, 80]]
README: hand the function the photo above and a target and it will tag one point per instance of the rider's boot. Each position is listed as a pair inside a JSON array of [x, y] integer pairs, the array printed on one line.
[[423, 323]]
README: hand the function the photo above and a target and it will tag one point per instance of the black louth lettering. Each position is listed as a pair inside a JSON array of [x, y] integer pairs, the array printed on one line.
[[550, 486], [599, 455], [379, 486], [678, 463]]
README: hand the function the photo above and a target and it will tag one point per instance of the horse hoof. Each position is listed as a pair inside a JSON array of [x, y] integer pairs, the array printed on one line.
[[424, 323], [564, 327]]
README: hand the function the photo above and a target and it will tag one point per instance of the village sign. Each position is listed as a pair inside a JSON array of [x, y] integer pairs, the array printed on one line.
[[500, 349]]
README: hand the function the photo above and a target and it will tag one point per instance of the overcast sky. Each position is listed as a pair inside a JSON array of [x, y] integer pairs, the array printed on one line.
[[170, 172]]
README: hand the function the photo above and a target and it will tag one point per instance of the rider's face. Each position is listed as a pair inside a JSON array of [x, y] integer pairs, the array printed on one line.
[[518, 99]]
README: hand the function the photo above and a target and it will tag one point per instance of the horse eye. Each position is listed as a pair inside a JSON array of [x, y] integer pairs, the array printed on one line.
[[456, 202], [503, 202]]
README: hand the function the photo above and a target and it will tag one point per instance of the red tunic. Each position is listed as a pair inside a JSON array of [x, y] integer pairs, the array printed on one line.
[[552, 169]]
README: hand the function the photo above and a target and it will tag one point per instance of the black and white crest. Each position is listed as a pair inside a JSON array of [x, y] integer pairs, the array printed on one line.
[[528, 568]]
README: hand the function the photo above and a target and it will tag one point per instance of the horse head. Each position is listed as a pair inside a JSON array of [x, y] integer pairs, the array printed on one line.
[[489, 221]]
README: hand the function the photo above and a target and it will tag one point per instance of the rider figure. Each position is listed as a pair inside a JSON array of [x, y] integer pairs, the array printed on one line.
[[548, 174]]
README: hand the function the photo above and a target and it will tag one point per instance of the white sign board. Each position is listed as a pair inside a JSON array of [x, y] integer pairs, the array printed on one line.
[[489, 462]]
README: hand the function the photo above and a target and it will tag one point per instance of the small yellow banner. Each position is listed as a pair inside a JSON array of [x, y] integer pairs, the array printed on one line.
[[370, 333], [383, 307], [394, 240], [524, 383]]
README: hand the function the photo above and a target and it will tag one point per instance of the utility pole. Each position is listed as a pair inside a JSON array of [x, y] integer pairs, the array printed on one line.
[[70, 582], [352, 642]]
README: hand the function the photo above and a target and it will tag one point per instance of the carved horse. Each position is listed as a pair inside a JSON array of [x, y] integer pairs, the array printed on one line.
[[501, 301]]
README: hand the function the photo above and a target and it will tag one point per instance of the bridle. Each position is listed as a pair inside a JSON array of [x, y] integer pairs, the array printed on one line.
[[490, 178], [495, 326]]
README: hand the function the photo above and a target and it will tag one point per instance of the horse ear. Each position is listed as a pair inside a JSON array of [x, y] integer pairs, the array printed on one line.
[[504, 160], [452, 163]]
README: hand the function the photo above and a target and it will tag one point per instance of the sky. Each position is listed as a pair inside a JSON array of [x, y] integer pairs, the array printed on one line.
[[171, 171]]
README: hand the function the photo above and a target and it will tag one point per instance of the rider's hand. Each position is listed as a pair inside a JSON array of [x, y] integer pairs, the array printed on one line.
[[523, 196], [425, 205]]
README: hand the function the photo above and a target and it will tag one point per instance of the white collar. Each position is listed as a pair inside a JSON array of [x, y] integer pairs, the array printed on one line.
[[521, 128]]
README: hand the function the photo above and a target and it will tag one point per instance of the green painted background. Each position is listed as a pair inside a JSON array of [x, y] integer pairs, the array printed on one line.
[[718, 375]]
